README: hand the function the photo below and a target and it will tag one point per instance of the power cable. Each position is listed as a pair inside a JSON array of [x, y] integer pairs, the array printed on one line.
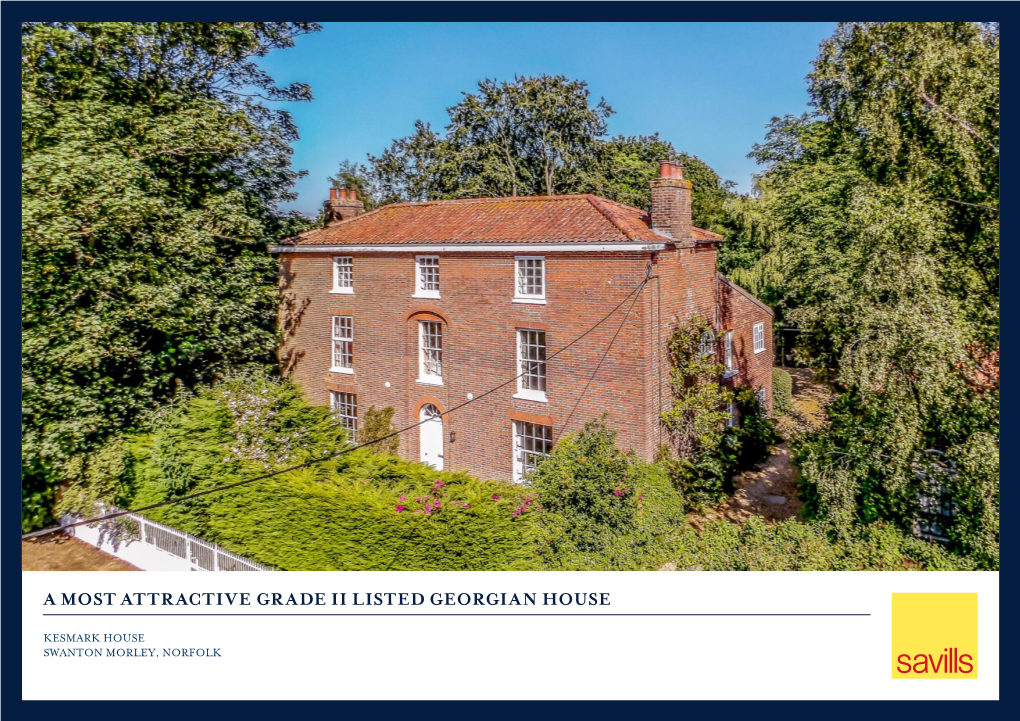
[[602, 359], [335, 454]]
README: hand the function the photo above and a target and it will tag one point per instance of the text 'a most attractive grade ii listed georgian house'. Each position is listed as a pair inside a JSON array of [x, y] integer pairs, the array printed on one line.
[[423, 306]]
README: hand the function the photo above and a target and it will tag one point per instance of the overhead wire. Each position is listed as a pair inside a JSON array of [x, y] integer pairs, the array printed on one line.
[[335, 454]]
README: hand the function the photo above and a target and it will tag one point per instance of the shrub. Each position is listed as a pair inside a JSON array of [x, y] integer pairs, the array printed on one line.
[[697, 413], [796, 546], [704, 480], [379, 424], [782, 392], [603, 508], [357, 511]]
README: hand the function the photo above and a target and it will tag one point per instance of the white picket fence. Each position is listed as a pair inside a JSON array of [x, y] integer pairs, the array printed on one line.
[[153, 546]]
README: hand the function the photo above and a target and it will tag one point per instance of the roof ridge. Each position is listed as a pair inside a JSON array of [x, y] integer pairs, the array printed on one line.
[[597, 203]]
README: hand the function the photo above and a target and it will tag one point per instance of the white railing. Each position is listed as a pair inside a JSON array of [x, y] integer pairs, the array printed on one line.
[[121, 536]]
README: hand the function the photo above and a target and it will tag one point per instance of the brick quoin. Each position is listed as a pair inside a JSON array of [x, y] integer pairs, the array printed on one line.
[[596, 253]]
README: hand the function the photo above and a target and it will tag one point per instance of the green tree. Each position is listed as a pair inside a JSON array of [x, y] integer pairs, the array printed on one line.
[[421, 166], [359, 177], [881, 241], [151, 173], [627, 164], [534, 136]]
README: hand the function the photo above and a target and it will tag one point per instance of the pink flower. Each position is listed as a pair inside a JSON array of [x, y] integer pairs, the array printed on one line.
[[467, 505], [439, 484], [495, 497], [618, 492], [399, 509], [641, 497], [403, 498]]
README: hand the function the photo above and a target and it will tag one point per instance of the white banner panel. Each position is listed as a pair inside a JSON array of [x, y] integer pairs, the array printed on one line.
[[779, 635]]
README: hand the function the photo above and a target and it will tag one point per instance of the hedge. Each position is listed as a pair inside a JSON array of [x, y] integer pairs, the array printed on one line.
[[782, 391], [797, 546]]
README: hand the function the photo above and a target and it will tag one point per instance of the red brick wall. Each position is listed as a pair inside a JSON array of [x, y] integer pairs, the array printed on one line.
[[689, 287], [479, 321], [740, 311], [479, 345]]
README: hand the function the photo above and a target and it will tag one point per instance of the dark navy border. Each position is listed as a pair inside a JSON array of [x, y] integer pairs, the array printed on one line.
[[752, 659]]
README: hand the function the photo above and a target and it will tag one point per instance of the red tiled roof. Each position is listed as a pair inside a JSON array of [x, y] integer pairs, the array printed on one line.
[[543, 219]]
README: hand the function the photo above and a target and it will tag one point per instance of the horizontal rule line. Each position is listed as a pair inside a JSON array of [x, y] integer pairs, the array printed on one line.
[[456, 614]]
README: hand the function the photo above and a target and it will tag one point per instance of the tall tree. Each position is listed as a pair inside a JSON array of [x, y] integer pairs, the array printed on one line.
[[421, 166], [151, 173], [532, 136], [881, 228], [626, 165]]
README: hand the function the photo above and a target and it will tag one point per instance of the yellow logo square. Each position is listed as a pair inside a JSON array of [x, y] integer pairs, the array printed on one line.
[[934, 635]]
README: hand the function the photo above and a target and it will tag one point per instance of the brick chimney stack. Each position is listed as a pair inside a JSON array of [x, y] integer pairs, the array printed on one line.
[[671, 203], [342, 205]]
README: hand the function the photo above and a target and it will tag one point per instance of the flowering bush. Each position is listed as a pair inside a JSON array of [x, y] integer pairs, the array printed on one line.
[[604, 508]]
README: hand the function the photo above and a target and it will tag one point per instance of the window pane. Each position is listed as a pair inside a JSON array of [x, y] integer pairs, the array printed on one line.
[[706, 344], [343, 341], [431, 348], [343, 272], [534, 442], [428, 274], [345, 408], [531, 276], [531, 346]]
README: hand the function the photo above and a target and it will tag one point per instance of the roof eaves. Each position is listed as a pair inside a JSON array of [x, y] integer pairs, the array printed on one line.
[[746, 293]]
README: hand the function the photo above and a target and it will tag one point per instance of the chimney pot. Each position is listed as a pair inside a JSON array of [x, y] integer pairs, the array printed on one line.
[[332, 193], [352, 194], [671, 203]]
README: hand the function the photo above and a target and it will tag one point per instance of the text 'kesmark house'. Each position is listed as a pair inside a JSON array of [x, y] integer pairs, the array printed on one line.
[[423, 306]]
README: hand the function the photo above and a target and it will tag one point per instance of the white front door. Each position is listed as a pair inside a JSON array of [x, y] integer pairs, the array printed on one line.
[[431, 434]]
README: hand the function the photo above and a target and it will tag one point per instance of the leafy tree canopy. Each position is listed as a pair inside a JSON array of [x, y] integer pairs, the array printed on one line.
[[533, 136], [878, 218], [152, 170]]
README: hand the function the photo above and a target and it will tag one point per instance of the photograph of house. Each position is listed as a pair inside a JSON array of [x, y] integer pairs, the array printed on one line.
[[418, 296], [420, 306]]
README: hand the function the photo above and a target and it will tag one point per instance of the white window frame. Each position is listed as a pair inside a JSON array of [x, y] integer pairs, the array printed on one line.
[[344, 407], [731, 369], [731, 420], [706, 343], [520, 297], [343, 282], [342, 333], [522, 457], [420, 291], [758, 332], [523, 377], [433, 379]]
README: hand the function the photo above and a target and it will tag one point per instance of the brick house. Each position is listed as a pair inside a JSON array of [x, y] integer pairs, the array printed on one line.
[[423, 306]]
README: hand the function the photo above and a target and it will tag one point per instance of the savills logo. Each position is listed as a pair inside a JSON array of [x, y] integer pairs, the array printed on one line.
[[934, 635]]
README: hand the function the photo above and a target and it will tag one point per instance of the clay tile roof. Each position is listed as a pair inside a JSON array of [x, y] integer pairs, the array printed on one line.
[[543, 219]]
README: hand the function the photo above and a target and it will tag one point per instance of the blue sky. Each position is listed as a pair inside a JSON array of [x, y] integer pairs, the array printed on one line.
[[708, 87]]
